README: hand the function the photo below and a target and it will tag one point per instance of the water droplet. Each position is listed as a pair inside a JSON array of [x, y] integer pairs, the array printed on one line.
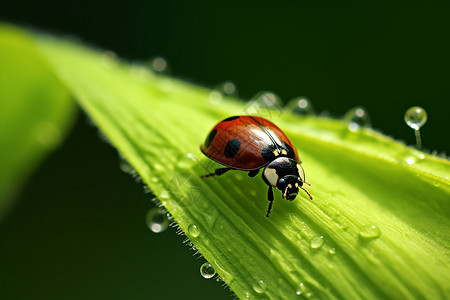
[[164, 195], [215, 97], [194, 230], [147, 190], [159, 167], [437, 183], [227, 88], [157, 220], [268, 99], [332, 251], [264, 103], [300, 105], [369, 232], [259, 287], [316, 242], [207, 270], [187, 161], [298, 293], [125, 166], [357, 117], [410, 160], [159, 65], [415, 117]]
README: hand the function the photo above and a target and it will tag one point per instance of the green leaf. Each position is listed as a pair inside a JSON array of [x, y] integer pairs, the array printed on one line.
[[377, 227], [35, 111]]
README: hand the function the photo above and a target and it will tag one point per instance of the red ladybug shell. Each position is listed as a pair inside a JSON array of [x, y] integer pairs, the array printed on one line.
[[247, 143]]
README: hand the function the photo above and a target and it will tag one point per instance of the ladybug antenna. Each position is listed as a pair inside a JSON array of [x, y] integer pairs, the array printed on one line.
[[306, 191]]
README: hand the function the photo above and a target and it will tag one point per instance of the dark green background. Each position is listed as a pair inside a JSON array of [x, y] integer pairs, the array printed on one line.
[[77, 230]]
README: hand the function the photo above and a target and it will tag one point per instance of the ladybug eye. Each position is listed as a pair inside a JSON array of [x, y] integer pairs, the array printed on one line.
[[281, 184]]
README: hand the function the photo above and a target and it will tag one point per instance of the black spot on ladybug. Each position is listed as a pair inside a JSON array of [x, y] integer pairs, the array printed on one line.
[[210, 137], [268, 154], [232, 148], [230, 119]]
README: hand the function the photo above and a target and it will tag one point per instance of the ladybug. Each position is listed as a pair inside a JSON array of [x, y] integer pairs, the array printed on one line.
[[250, 143]]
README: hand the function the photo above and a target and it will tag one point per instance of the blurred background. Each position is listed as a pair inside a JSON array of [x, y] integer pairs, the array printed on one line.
[[77, 229]]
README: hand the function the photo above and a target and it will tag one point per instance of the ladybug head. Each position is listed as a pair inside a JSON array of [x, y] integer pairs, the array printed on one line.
[[287, 175], [289, 185]]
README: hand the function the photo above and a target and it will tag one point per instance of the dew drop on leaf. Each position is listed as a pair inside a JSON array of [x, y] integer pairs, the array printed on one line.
[[207, 270], [300, 106], [187, 161], [194, 230], [369, 232], [357, 117], [159, 65], [227, 88], [316, 242], [215, 97], [156, 219], [415, 117], [264, 104], [259, 287]]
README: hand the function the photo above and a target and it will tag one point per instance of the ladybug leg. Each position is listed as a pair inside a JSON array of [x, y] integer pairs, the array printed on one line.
[[253, 173], [270, 198], [217, 172]]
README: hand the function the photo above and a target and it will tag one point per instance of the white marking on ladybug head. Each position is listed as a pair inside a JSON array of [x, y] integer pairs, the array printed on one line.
[[271, 175], [301, 173], [289, 186]]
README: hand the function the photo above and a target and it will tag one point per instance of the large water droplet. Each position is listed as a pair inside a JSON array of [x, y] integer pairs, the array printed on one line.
[[157, 220], [300, 105], [316, 242], [259, 287], [207, 270], [357, 117], [194, 230], [415, 117], [369, 232]]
